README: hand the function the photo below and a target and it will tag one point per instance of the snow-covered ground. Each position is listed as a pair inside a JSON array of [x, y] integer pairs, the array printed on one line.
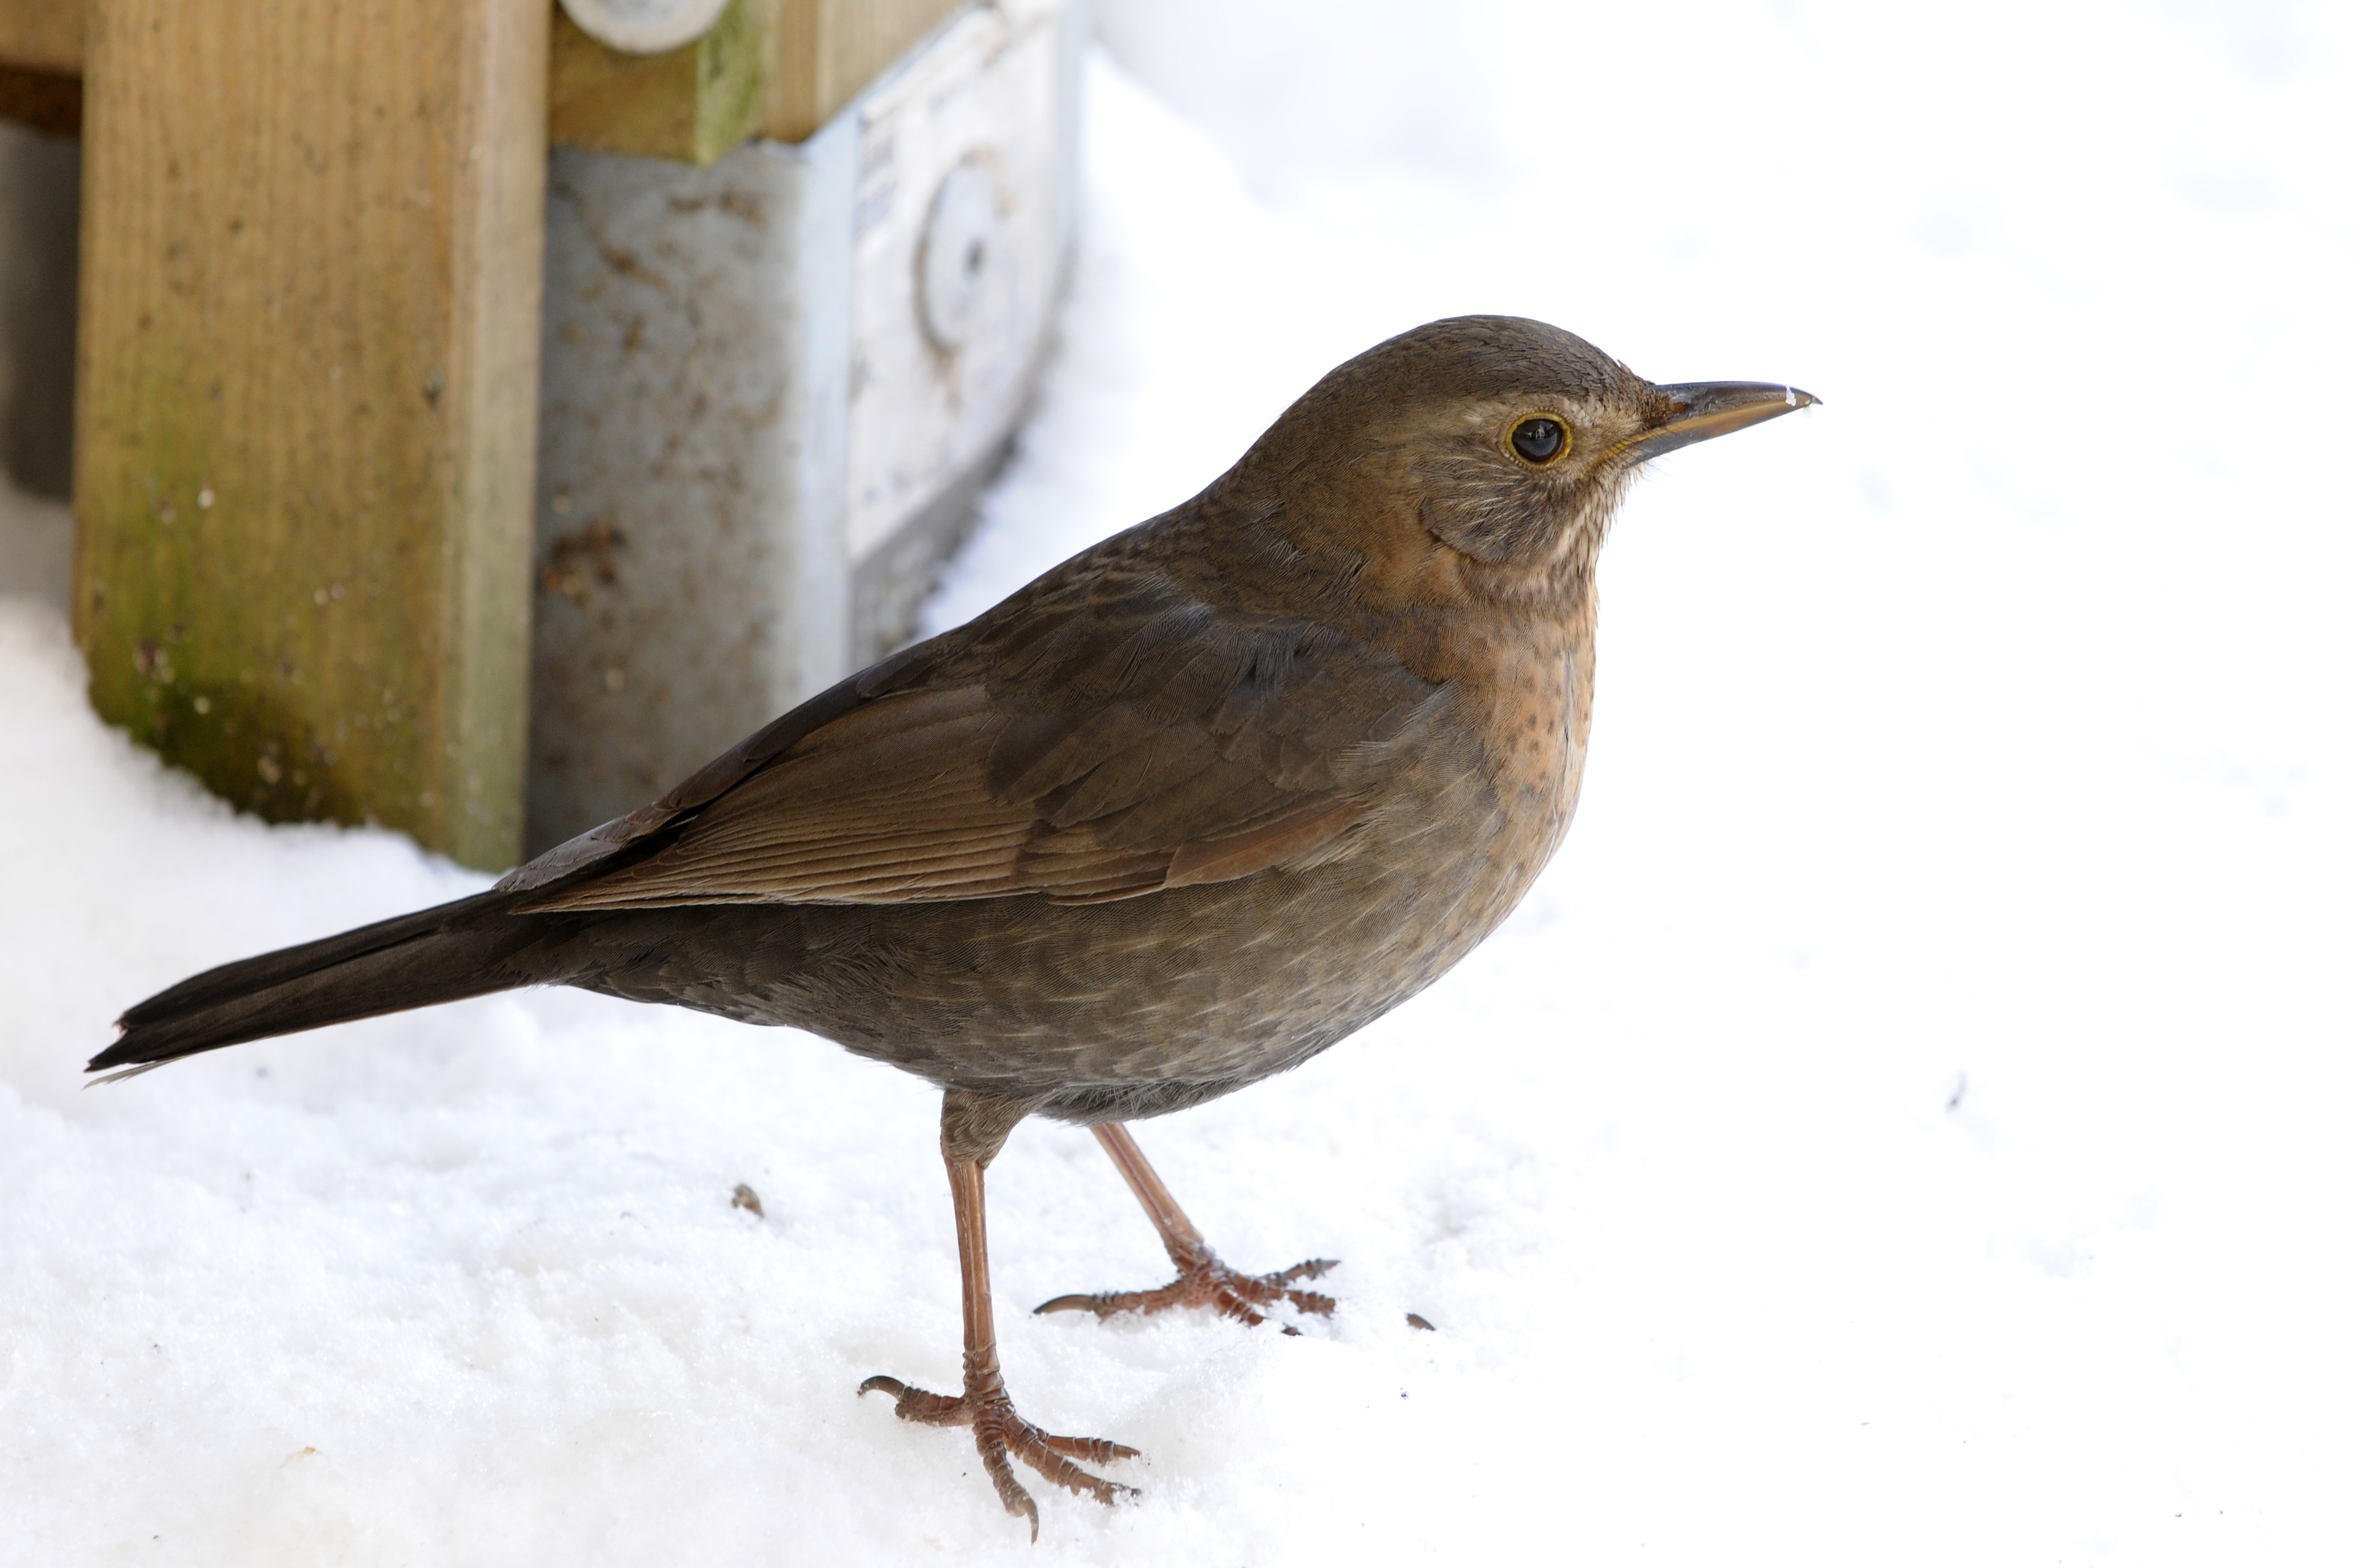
[[1911, 1122]]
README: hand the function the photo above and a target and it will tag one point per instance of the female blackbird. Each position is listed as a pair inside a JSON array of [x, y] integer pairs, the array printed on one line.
[[1183, 812]]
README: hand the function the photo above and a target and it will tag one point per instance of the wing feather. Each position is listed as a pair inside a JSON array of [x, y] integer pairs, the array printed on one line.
[[1139, 740]]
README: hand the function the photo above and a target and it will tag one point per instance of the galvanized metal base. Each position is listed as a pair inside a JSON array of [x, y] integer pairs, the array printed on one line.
[[771, 392]]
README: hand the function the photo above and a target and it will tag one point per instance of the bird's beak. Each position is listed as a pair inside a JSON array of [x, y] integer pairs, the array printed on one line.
[[1703, 409]]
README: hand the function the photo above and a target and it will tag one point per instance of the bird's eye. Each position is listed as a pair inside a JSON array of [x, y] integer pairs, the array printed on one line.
[[1539, 439]]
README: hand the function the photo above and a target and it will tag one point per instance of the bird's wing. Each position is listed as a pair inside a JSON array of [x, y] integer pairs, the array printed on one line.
[[1108, 741]]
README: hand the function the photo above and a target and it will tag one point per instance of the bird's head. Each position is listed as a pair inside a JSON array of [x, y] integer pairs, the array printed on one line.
[[1478, 456]]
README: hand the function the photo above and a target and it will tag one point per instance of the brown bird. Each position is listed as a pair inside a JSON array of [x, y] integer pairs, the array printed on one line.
[[1179, 815]]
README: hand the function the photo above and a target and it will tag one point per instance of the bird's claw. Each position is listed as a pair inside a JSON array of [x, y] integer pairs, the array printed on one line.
[[1000, 1433], [1207, 1282]]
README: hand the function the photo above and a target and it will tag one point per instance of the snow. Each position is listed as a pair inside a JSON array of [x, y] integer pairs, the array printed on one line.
[[1909, 1122]]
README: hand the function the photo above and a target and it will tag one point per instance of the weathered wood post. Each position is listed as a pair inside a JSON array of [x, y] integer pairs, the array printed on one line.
[[311, 283]]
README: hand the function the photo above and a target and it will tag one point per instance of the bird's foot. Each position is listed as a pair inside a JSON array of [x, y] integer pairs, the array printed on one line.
[[999, 1432], [1206, 1281]]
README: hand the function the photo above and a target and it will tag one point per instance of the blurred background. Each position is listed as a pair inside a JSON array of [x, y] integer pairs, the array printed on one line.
[[1909, 1121]]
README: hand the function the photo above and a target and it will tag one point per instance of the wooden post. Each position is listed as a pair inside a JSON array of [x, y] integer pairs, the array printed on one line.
[[828, 50], [43, 35], [311, 307], [692, 104], [776, 67]]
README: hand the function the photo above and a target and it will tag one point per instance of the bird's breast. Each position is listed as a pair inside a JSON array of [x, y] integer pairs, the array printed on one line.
[[1522, 691], [1528, 711], [1483, 807]]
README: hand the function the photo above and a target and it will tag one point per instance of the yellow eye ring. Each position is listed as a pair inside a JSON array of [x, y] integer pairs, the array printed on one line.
[[1538, 439]]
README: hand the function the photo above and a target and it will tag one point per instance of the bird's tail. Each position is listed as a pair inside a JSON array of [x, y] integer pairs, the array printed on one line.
[[470, 948]]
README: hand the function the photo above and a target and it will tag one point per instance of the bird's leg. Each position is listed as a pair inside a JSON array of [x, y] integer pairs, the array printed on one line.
[[1204, 1280], [975, 1127]]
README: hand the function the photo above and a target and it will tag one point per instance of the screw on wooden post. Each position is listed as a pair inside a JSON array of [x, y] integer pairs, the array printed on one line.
[[311, 285]]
